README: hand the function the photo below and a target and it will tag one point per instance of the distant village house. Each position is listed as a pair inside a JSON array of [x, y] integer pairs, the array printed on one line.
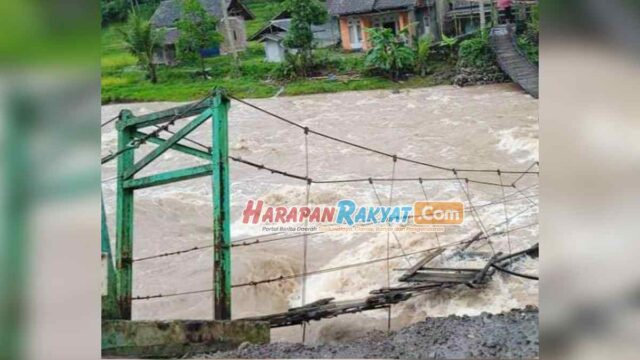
[[422, 17], [169, 12], [350, 19], [274, 33]]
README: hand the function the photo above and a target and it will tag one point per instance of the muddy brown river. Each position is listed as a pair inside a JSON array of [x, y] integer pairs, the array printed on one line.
[[488, 127]]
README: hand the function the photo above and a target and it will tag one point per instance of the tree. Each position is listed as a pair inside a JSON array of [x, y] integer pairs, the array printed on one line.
[[304, 14], [422, 55], [142, 40], [197, 32], [389, 53], [116, 11], [113, 11], [450, 43]]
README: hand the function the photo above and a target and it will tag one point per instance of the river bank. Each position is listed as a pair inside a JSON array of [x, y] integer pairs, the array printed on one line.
[[508, 335]]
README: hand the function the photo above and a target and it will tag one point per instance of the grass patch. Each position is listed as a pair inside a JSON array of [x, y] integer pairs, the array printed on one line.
[[264, 11], [118, 60], [306, 87]]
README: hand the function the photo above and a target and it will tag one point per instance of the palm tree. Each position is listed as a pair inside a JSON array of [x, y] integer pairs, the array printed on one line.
[[389, 53], [141, 40], [422, 55]]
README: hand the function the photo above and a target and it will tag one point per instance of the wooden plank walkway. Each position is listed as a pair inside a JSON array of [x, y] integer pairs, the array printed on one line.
[[420, 277], [512, 61], [327, 308], [447, 276]]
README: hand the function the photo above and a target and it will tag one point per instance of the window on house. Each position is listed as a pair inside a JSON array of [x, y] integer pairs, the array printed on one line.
[[427, 23], [389, 21], [355, 32]]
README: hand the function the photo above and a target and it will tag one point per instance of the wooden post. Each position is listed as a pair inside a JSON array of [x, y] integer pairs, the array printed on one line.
[[221, 210], [124, 221], [483, 20]]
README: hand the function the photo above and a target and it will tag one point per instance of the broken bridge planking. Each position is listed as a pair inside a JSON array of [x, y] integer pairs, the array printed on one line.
[[426, 259], [429, 278], [443, 276], [328, 308]]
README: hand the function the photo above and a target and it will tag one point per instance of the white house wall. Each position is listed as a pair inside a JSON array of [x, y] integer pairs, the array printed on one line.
[[274, 51]]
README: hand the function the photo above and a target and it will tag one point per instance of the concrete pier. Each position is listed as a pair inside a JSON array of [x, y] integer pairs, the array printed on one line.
[[175, 339]]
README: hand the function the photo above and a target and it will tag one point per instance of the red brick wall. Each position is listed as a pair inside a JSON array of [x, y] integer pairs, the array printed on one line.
[[366, 24]]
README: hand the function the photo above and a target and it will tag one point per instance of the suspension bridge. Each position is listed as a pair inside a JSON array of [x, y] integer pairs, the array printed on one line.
[[511, 59], [418, 278]]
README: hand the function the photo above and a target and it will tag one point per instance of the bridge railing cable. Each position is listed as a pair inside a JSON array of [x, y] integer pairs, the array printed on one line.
[[276, 237]]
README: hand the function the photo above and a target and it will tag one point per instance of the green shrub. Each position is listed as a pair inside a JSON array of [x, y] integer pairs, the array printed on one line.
[[449, 43], [423, 49], [476, 52], [528, 41], [116, 11], [529, 48], [289, 69], [389, 54]]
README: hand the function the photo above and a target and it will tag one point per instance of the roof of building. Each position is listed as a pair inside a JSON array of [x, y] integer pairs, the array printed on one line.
[[346, 7], [171, 36], [168, 12], [274, 26], [279, 28]]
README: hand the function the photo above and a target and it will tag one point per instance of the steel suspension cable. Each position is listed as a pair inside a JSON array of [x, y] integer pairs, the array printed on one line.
[[323, 271], [502, 223], [426, 198], [185, 138], [110, 121], [375, 191], [393, 174], [306, 223], [525, 196], [523, 174], [510, 272], [134, 144], [343, 267], [476, 217], [264, 239], [506, 215]]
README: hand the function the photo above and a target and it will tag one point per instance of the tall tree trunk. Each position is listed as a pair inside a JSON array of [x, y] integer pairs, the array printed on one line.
[[153, 73], [202, 66], [483, 20]]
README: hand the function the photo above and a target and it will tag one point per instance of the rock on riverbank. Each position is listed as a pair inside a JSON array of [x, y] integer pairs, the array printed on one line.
[[508, 335]]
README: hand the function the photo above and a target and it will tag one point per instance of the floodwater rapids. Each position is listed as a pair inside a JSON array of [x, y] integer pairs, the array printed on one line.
[[489, 127]]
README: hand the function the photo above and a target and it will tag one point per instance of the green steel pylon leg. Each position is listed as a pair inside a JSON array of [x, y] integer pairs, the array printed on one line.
[[124, 222], [15, 202], [109, 300], [221, 209]]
